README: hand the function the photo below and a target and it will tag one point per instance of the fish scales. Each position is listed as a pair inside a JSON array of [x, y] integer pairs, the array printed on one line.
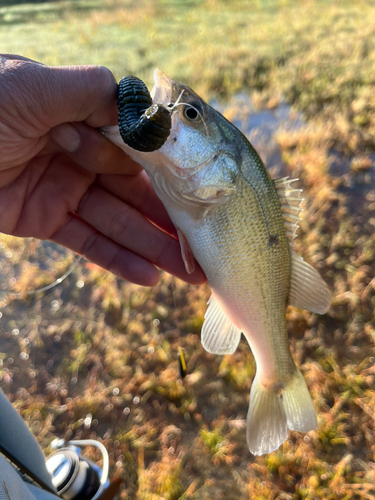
[[238, 271], [239, 225]]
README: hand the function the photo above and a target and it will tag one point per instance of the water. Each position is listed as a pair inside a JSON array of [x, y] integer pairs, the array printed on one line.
[[356, 185], [261, 127]]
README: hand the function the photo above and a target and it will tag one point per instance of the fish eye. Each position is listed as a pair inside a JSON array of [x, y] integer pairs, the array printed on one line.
[[192, 111]]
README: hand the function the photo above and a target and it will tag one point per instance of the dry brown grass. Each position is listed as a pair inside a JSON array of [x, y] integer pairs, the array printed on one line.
[[100, 359]]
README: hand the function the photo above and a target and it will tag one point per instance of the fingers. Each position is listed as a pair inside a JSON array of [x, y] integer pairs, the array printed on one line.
[[138, 192], [127, 227], [86, 241], [92, 151]]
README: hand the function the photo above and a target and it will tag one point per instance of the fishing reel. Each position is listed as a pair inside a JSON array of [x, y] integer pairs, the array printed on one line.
[[74, 476]]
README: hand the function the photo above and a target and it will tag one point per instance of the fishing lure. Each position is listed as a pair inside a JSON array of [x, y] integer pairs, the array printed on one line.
[[144, 126]]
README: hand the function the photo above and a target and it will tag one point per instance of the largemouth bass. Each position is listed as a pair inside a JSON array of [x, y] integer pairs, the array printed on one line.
[[239, 224]]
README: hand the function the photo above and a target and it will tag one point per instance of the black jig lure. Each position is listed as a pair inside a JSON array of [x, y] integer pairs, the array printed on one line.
[[144, 126]]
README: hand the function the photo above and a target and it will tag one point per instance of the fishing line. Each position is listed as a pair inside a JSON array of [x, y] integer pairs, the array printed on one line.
[[172, 106], [48, 287], [178, 103], [195, 109]]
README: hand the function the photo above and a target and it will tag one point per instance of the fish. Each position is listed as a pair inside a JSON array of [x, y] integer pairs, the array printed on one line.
[[239, 225]]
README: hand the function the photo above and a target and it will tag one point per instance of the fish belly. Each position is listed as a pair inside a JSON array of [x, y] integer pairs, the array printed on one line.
[[243, 250]]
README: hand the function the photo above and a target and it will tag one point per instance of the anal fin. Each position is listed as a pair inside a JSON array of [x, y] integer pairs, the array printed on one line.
[[219, 334], [307, 289]]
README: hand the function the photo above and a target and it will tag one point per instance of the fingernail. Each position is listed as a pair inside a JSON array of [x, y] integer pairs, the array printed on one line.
[[67, 137]]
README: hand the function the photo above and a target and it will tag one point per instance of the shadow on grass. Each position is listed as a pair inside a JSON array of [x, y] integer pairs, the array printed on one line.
[[8, 3], [40, 11]]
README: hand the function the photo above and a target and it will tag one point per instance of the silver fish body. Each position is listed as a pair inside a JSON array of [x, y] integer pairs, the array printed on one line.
[[239, 225]]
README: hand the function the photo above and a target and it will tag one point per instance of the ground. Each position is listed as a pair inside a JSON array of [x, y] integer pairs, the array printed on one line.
[[97, 357]]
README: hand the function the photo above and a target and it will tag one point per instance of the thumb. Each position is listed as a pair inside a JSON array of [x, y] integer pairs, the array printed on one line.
[[80, 93], [45, 96]]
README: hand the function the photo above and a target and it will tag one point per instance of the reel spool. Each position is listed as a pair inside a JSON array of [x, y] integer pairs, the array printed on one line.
[[74, 476]]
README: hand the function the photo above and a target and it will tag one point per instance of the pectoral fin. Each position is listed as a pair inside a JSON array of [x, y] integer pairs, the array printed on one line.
[[219, 334], [187, 254]]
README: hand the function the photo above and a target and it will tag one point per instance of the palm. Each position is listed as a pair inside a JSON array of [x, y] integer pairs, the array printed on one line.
[[38, 201]]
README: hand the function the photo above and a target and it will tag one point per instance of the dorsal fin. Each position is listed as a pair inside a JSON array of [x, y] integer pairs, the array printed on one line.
[[307, 289], [290, 202]]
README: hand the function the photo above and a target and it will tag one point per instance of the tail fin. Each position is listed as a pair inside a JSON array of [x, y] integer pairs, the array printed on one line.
[[272, 411]]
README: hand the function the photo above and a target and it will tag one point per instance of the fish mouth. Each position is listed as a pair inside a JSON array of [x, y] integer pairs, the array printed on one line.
[[166, 92], [162, 91]]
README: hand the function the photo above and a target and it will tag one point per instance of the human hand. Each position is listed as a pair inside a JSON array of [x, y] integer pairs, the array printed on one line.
[[61, 180]]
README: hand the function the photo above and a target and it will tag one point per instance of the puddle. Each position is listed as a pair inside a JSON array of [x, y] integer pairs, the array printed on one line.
[[357, 185], [260, 127]]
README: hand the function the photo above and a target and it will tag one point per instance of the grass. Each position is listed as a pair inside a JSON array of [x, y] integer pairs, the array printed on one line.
[[97, 357]]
